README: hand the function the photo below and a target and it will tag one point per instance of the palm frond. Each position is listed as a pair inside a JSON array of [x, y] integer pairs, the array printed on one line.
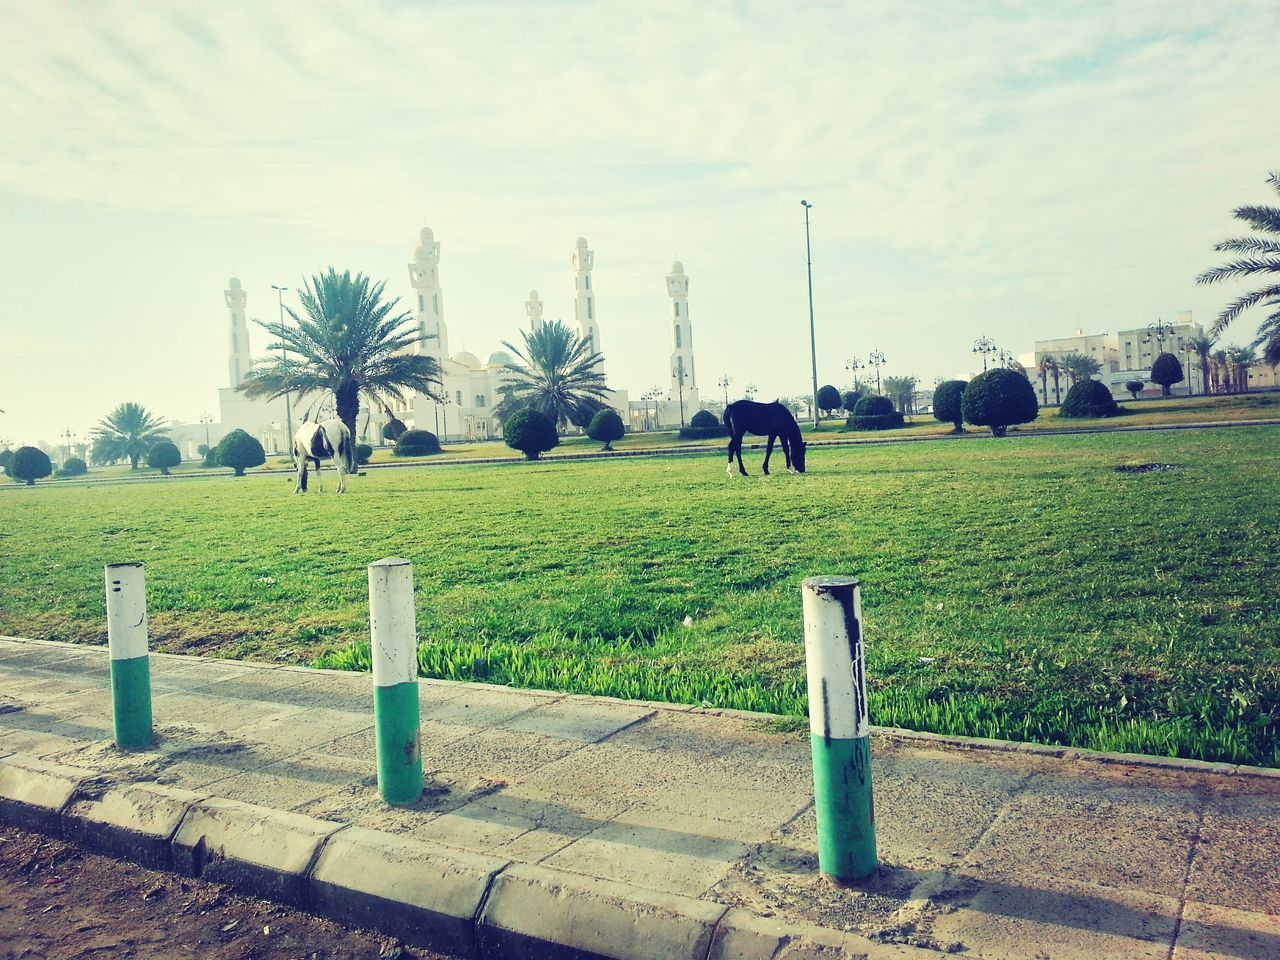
[[1239, 268], [1248, 245], [1241, 304], [1266, 219]]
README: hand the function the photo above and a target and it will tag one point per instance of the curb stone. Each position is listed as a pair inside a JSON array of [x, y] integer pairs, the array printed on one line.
[[33, 792], [427, 896], [539, 912], [267, 852], [134, 821], [743, 935]]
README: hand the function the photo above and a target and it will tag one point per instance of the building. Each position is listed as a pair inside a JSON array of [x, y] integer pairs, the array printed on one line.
[[682, 400]]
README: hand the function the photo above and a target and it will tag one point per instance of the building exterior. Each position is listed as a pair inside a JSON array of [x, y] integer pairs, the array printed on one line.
[[682, 400]]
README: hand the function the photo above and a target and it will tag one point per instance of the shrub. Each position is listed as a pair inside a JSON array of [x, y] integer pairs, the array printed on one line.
[[416, 443], [828, 398], [874, 413], [849, 399], [1166, 371], [998, 399], [946, 403], [29, 464], [211, 458], [1089, 398], [364, 453], [1134, 387], [389, 433], [73, 467], [239, 451], [703, 426], [163, 455], [6, 458], [606, 427], [530, 432], [203, 449]]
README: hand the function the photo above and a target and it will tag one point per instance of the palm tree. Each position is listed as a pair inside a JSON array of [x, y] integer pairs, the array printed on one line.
[[1221, 372], [127, 431], [1079, 366], [348, 342], [558, 376], [1051, 363], [1202, 344], [900, 390], [1241, 359], [1261, 256]]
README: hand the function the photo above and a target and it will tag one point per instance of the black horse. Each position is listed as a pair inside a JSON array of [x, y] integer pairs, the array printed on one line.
[[771, 420]]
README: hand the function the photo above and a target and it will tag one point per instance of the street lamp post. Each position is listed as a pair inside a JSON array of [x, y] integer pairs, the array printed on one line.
[[206, 419], [813, 344], [653, 393], [1193, 355], [984, 346], [68, 435], [854, 365], [284, 355], [678, 374], [724, 382], [877, 360], [750, 391], [1158, 331]]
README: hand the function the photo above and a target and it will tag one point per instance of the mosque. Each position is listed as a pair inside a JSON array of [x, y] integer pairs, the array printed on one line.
[[470, 389]]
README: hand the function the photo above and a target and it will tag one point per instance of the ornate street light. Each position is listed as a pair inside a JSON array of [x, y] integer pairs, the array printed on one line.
[[678, 374], [813, 343], [877, 360], [1158, 331], [750, 392], [284, 355], [724, 382], [984, 346], [854, 365], [206, 419]]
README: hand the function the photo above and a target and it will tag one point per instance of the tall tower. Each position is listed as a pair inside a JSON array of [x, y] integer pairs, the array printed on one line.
[[681, 336], [238, 360], [584, 297], [533, 310], [428, 309]]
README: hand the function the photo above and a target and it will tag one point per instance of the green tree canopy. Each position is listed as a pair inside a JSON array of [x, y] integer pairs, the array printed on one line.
[[828, 398], [531, 432], [946, 403], [557, 376], [128, 431], [239, 451], [163, 455], [606, 427], [998, 399], [1166, 371], [29, 464], [1078, 366]]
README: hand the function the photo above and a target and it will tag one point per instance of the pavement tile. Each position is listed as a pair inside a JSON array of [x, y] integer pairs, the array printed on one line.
[[1024, 917], [1237, 861], [494, 755], [579, 720], [1211, 932], [476, 706], [499, 822]]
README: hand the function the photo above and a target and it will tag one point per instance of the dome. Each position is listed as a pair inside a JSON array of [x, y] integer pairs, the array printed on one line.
[[427, 235], [533, 294], [677, 267], [582, 243], [499, 358], [234, 283], [467, 359]]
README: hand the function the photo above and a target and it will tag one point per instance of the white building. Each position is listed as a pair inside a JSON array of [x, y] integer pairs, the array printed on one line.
[[681, 401]]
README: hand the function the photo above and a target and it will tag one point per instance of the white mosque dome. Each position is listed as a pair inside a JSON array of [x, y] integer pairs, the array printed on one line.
[[533, 294], [499, 358], [582, 243], [467, 359], [427, 235], [234, 283], [677, 267]]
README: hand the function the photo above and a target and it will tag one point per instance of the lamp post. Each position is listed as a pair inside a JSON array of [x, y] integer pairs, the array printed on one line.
[[284, 355], [652, 394], [1192, 355], [206, 419], [854, 364], [813, 344], [877, 360], [1157, 331], [984, 346], [724, 382], [750, 391], [678, 374], [67, 435]]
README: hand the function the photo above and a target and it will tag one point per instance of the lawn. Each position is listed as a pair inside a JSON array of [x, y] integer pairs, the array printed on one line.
[[1024, 590]]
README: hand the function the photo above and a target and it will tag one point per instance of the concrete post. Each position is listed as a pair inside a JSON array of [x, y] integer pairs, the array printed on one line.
[[394, 648], [130, 663], [839, 728]]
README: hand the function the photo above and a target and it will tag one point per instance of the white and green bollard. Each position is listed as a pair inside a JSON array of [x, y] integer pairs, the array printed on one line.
[[130, 663], [394, 648], [839, 729]]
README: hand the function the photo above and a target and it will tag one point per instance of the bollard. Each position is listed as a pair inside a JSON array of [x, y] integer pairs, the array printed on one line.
[[130, 664], [839, 730], [394, 648]]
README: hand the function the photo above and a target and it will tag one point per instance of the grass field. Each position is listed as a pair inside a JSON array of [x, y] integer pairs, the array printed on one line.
[[1016, 589]]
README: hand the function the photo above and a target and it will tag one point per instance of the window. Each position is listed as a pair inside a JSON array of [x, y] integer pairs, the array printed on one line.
[[589, 316], [587, 278], [479, 399], [677, 308], [678, 344], [435, 304], [422, 302], [459, 398]]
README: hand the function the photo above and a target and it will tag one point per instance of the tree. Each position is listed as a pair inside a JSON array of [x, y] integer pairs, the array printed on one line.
[[702, 426], [1090, 398], [606, 427], [1203, 344], [128, 431], [416, 443], [530, 431], [1260, 257], [203, 449], [29, 464], [73, 467], [849, 399], [1241, 359], [1134, 387], [998, 399], [6, 458], [828, 399], [1078, 366], [946, 403], [349, 342], [1166, 371], [558, 376], [874, 412], [364, 453], [1049, 364], [162, 456], [239, 451], [1220, 371], [900, 390]]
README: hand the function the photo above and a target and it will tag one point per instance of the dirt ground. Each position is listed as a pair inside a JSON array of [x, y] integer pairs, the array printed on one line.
[[58, 903]]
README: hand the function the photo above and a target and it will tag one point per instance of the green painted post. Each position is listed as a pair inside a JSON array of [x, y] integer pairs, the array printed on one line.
[[394, 642], [839, 729], [130, 662]]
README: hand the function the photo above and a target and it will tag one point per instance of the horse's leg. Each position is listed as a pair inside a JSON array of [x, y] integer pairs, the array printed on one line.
[[741, 469], [319, 485], [768, 452], [729, 466], [786, 453], [301, 485], [340, 463]]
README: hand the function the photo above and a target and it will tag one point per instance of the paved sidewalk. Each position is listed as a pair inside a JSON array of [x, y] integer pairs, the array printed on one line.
[[993, 853]]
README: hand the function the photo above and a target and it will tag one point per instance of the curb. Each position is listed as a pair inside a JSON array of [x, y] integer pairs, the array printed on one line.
[[468, 904]]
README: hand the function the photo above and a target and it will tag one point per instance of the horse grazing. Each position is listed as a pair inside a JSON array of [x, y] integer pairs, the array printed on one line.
[[771, 420], [327, 440]]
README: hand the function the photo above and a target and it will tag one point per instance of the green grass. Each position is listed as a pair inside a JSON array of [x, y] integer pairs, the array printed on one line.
[[1022, 590]]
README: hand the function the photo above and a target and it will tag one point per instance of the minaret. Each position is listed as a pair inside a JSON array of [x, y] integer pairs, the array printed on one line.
[[424, 277], [584, 306], [533, 310], [239, 361], [681, 336]]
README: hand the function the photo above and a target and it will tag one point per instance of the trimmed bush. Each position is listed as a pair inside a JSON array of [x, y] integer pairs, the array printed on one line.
[[1134, 387], [946, 403], [73, 467], [29, 464], [849, 399], [828, 398], [163, 455], [389, 433], [203, 449], [364, 453], [530, 432], [416, 443], [998, 399], [1166, 371], [704, 425], [874, 413], [6, 458], [239, 451], [210, 458], [1089, 398], [606, 427]]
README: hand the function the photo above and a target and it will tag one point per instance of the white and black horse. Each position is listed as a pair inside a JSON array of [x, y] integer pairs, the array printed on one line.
[[326, 440], [771, 420]]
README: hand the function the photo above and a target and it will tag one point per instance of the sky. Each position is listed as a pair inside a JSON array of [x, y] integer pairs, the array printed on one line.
[[1017, 170]]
